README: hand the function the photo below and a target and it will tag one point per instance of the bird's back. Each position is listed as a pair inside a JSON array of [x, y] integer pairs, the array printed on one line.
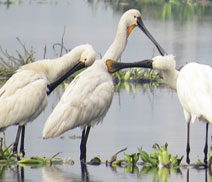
[[22, 98], [194, 89], [85, 102]]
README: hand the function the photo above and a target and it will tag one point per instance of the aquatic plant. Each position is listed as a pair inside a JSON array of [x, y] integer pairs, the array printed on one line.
[[160, 157], [6, 154], [95, 161]]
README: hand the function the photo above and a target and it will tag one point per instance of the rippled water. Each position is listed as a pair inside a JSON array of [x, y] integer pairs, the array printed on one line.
[[136, 119]]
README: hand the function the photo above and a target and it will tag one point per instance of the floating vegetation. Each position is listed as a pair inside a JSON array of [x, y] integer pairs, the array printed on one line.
[[95, 161], [38, 161], [160, 157]]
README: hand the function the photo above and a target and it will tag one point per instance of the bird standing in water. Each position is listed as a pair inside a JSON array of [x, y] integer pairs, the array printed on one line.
[[87, 99], [24, 96], [193, 84]]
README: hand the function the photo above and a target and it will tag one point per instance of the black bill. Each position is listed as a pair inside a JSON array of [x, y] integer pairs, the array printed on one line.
[[53, 85], [114, 66], [144, 29]]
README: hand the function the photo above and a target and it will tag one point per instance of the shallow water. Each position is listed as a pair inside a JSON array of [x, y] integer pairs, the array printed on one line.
[[140, 118]]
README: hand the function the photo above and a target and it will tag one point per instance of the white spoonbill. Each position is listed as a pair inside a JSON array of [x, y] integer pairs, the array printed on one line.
[[87, 99], [193, 84], [24, 96]]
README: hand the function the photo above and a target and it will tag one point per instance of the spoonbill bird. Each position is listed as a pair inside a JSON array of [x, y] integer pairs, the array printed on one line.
[[87, 99], [193, 84], [24, 96]]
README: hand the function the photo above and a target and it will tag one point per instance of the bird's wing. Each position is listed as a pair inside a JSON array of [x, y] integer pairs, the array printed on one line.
[[22, 98], [194, 89], [85, 102]]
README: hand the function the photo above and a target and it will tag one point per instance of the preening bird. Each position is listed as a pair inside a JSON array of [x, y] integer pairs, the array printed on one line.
[[193, 84], [87, 99], [24, 96]]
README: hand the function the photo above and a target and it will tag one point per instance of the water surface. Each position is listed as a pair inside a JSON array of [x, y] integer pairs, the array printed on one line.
[[147, 116]]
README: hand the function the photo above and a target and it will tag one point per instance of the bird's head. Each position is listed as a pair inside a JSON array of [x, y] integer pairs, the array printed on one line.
[[130, 17], [133, 18], [88, 56], [164, 63]]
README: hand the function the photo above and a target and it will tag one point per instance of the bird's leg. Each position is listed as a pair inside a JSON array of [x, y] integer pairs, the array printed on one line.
[[206, 145], [15, 146], [188, 143], [22, 141], [82, 157], [84, 138], [84, 171]]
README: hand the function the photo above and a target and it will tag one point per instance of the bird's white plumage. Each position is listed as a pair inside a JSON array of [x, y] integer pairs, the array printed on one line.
[[87, 99], [85, 102], [193, 84], [166, 65], [194, 90], [23, 96]]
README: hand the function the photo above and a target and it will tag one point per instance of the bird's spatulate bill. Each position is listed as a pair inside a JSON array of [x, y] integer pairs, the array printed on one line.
[[114, 66], [144, 29], [53, 85]]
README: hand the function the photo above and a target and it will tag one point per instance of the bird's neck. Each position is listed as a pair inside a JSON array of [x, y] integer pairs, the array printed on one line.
[[58, 67], [170, 77], [117, 47], [53, 69]]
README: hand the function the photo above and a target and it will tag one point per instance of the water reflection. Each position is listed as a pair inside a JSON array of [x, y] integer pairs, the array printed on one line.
[[65, 173], [11, 173], [58, 174]]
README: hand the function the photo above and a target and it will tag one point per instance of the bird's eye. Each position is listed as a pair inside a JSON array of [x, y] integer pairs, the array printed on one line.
[[85, 59], [135, 17]]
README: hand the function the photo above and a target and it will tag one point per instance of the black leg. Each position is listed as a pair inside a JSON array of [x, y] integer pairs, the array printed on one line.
[[84, 172], [188, 143], [22, 141], [206, 145], [84, 139], [187, 175], [15, 146]]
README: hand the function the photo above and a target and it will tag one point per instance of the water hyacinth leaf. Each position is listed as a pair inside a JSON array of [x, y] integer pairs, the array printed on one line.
[[174, 161], [144, 155], [31, 162], [133, 158], [147, 159], [164, 158], [136, 157], [127, 158], [154, 154], [153, 162], [117, 163], [95, 161], [164, 147]]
